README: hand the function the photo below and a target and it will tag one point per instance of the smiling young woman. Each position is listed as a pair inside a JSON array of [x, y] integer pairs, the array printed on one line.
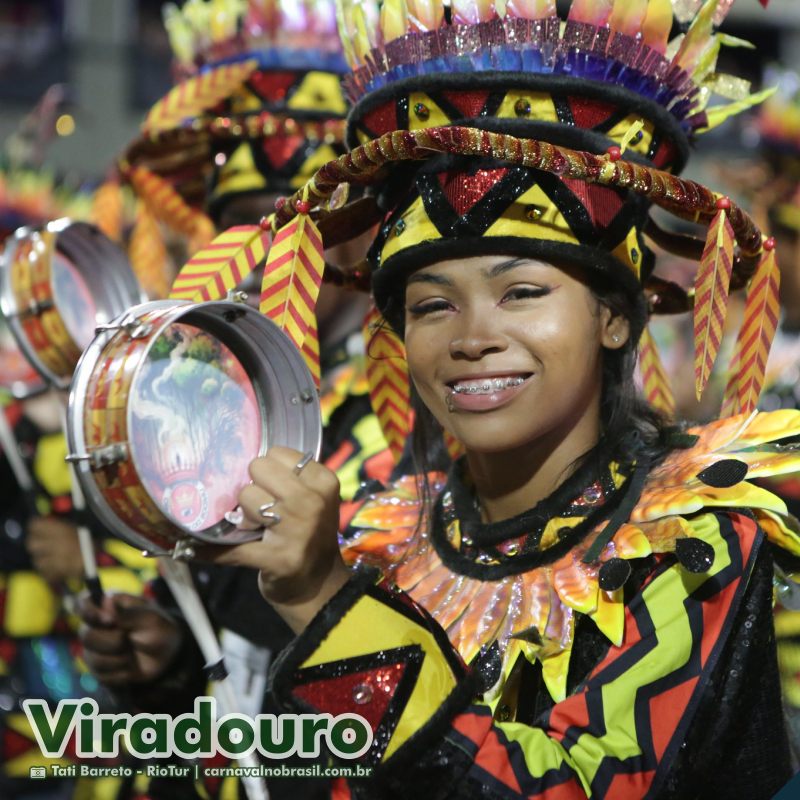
[[507, 356], [580, 603]]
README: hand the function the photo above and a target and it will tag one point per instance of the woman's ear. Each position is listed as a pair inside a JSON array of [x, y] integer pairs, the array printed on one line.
[[615, 331]]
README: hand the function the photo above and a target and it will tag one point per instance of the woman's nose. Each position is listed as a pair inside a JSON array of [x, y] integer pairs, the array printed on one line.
[[476, 336]]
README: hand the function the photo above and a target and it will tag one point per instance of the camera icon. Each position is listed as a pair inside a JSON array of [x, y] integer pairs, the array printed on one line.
[[38, 772]]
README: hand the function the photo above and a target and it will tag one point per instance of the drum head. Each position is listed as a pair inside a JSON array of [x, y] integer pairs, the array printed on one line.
[[74, 300], [195, 426]]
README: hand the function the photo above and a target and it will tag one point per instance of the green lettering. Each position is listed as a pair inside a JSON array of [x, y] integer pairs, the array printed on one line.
[[51, 734], [148, 736], [276, 735], [235, 735]]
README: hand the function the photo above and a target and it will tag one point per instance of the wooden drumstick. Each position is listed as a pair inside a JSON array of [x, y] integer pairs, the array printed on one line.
[[179, 580], [85, 541], [23, 476]]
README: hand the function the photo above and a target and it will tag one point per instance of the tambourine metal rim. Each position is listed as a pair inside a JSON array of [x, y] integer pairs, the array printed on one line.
[[114, 278], [235, 324]]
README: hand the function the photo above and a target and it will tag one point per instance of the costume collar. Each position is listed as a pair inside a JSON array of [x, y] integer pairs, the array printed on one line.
[[534, 538], [533, 613]]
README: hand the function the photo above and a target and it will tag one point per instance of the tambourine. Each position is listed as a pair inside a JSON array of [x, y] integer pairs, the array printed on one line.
[[169, 405], [57, 282]]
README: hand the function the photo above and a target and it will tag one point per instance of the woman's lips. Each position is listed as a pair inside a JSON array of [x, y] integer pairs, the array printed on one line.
[[485, 393]]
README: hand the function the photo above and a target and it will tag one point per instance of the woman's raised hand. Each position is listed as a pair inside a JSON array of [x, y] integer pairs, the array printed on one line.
[[296, 501]]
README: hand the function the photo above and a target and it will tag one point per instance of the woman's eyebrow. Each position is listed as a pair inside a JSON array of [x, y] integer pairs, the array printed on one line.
[[429, 277], [503, 266]]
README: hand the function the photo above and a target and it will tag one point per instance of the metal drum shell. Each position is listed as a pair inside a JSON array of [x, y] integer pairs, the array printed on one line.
[[28, 303], [107, 372]]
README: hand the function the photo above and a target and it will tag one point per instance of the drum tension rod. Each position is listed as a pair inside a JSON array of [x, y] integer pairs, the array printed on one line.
[[134, 328], [102, 456], [34, 308], [184, 550], [306, 396]]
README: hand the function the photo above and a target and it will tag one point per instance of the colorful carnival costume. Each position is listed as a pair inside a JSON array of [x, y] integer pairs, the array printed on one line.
[[616, 639], [40, 653]]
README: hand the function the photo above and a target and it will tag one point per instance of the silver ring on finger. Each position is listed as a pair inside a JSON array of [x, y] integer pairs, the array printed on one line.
[[303, 462], [269, 516]]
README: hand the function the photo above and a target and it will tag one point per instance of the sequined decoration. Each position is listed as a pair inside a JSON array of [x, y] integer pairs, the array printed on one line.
[[463, 190], [684, 198], [368, 692]]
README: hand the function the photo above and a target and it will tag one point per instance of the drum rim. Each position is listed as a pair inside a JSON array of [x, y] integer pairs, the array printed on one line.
[[125, 285], [178, 310]]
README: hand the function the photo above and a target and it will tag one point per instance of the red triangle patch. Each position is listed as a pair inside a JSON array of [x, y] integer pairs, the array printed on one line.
[[589, 113], [381, 119], [15, 745], [470, 104], [336, 695], [602, 203], [272, 86], [8, 649], [464, 190], [279, 149], [665, 154]]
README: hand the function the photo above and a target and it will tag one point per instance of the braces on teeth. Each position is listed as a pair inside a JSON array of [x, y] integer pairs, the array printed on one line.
[[493, 385]]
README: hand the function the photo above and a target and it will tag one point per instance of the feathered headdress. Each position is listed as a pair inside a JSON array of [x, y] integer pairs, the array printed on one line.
[[258, 105], [549, 136]]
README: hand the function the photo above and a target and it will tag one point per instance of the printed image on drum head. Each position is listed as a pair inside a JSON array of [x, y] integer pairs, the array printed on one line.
[[194, 426], [74, 300]]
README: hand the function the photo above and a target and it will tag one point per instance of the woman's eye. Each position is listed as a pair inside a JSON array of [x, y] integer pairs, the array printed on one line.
[[525, 293], [428, 307]]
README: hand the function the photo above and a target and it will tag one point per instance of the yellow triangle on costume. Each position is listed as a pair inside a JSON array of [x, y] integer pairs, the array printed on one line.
[[239, 173], [629, 252], [554, 672], [542, 107], [245, 101], [319, 91], [432, 117], [640, 145], [610, 615], [549, 224], [417, 227]]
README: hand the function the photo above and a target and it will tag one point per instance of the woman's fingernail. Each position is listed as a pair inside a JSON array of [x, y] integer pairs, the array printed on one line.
[[235, 517]]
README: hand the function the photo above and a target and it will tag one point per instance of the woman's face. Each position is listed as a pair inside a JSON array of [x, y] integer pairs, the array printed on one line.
[[504, 351]]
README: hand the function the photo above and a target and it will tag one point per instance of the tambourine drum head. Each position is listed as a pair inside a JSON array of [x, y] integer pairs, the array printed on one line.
[[57, 284], [74, 300], [194, 426]]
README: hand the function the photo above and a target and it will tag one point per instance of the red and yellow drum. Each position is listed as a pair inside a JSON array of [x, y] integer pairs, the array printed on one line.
[[169, 405], [56, 284]]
